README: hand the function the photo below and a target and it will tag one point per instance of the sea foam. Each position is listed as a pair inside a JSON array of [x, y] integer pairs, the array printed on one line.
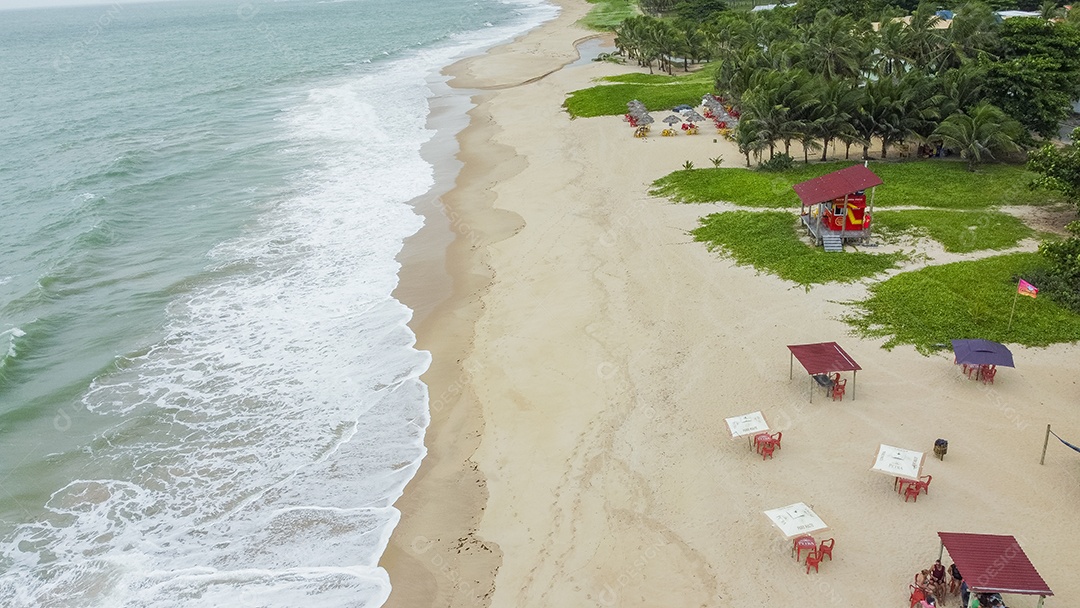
[[259, 446]]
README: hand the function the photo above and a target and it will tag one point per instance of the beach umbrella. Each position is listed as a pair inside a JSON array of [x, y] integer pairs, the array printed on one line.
[[795, 520], [747, 425], [982, 352], [646, 119], [898, 462], [681, 108], [670, 120]]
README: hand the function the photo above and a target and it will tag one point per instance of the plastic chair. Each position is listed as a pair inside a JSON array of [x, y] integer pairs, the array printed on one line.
[[917, 595], [801, 543], [923, 484], [825, 548], [813, 558], [838, 389], [766, 450], [912, 491], [988, 374], [776, 438]]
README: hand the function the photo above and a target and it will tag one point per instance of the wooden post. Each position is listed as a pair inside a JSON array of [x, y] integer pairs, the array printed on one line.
[[791, 366], [811, 389], [854, 373], [1046, 441], [867, 230], [843, 219], [820, 212], [1016, 297], [941, 554]]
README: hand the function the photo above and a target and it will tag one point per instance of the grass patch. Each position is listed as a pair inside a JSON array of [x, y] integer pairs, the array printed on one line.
[[703, 75], [610, 99], [768, 241], [608, 14], [957, 231], [926, 183], [963, 300]]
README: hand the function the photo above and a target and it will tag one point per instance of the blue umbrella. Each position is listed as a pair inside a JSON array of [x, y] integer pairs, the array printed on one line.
[[982, 352]]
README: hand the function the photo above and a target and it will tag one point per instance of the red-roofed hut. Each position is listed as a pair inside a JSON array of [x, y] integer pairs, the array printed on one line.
[[834, 206], [993, 563]]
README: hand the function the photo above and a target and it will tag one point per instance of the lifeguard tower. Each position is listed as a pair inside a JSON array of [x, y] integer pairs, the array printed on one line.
[[835, 209]]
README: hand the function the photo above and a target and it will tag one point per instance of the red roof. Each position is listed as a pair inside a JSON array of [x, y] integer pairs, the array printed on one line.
[[836, 184], [823, 358], [993, 563]]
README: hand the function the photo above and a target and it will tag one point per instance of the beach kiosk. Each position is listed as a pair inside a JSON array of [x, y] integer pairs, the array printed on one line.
[[993, 564], [835, 208]]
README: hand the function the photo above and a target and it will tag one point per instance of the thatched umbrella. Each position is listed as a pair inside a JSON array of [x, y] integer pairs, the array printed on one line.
[[670, 120], [693, 116]]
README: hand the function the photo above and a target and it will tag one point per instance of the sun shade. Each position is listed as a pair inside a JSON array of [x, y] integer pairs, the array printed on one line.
[[993, 563], [795, 519], [836, 184], [982, 352], [823, 358]]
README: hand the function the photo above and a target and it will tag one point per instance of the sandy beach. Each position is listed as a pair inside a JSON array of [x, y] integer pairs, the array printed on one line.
[[586, 352]]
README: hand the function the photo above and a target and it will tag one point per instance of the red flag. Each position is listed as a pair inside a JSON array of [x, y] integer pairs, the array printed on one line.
[[1026, 289]]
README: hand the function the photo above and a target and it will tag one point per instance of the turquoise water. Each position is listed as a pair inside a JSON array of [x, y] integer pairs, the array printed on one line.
[[207, 394]]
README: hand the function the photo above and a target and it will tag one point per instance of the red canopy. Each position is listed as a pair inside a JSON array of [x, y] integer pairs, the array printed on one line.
[[836, 184], [993, 563], [823, 358]]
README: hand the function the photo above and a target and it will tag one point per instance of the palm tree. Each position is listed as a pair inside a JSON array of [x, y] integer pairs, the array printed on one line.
[[749, 141], [833, 50], [925, 41], [1050, 10], [831, 117], [959, 88], [891, 57], [761, 117], [981, 134], [973, 31]]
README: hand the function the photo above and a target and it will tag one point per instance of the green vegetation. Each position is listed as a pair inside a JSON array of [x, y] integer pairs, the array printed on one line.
[[1059, 168], [931, 183], [703, 76], [963, 300], [608, 14], [819, 73], [610, 99], [957, 231], [980, 133], [768, 241], [1059, 278]]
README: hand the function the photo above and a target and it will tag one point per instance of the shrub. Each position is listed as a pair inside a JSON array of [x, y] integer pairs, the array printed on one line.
[[780, 162]]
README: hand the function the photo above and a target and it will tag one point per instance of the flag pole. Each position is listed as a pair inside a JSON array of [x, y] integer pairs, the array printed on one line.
[[1016, 297]]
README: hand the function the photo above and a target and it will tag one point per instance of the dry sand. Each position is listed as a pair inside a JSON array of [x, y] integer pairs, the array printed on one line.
[[587, 357]]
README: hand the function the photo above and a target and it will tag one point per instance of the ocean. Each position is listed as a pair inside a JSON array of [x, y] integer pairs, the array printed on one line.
[[208, 395]]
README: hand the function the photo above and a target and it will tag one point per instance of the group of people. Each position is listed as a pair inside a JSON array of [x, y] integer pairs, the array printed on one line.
[[934, 587]]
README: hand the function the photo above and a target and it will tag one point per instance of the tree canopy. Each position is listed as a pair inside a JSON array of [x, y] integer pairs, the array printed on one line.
[[821, 73]]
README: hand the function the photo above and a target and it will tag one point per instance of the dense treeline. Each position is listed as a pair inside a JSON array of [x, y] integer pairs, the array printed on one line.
[[981, 86]]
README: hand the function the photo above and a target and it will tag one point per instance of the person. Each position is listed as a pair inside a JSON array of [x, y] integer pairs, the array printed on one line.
[[957, 578], [922, 580], [937, 578], [964, 593]]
